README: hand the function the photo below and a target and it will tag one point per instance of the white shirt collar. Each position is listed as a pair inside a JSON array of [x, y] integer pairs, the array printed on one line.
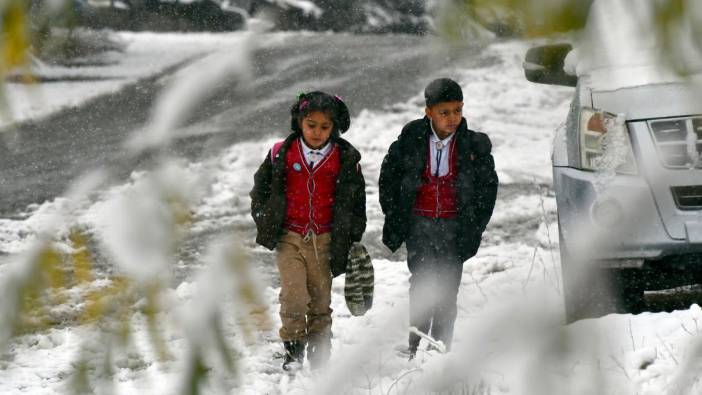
[[324, 150], [313, 157], [435, 138]]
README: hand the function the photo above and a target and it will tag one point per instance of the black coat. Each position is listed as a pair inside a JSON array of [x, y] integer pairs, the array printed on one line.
[[401, 176], [268, 202]]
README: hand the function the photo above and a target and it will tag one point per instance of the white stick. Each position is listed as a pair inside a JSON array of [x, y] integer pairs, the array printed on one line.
[[438, 344]]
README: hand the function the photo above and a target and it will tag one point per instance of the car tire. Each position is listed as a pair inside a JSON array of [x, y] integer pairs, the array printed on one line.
[[630, 287], [590, 291]]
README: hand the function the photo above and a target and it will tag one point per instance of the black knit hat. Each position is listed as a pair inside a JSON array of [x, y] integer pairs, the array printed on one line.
[[322, 102], [442, 90]]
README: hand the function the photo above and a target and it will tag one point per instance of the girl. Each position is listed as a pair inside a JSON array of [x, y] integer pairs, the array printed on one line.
[[309, 204]]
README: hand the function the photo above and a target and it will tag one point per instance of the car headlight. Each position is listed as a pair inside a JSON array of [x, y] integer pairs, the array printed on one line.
[[604, 143]]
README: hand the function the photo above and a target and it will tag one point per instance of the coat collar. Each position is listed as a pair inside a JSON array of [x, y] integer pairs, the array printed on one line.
[[462, 136], [347, 150], [461, 130]]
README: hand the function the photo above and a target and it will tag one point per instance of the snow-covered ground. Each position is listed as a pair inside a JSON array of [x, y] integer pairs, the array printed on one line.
[[508, 338]]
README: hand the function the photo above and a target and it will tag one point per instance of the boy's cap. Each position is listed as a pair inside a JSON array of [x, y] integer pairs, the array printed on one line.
[[442, 90]]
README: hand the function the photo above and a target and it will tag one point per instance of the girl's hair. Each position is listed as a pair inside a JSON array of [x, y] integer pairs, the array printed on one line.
[[322, 102]]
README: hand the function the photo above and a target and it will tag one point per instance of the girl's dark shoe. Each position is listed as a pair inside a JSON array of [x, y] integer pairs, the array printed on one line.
[[294, 354], [408, 352]]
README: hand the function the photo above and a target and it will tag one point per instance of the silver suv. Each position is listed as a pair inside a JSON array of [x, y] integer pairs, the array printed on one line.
[[627, 175]]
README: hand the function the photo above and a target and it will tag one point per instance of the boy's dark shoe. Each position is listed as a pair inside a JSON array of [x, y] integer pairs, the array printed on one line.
[[294, 354], [408, 352], [318, 350]]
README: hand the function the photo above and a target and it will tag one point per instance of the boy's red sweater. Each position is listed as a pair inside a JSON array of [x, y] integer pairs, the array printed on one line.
[[436, 198]]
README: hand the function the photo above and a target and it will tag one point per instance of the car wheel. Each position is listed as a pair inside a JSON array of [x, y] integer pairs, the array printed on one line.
[[589, 291]]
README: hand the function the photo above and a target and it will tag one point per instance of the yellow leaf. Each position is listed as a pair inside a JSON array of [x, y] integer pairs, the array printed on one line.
[[15, 37], [82, 263], [99, 302]]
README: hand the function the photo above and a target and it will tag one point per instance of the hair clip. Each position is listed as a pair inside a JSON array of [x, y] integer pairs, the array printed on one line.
[[337, 97], [304, 104]]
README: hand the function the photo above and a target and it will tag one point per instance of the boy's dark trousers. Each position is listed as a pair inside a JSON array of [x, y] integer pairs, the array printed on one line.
[[432, 257]]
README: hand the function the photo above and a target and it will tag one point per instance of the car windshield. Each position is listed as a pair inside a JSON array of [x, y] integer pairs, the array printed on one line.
[[622, 46]]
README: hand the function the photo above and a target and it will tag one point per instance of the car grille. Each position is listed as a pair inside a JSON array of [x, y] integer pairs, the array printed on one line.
[[688, 197], [671, 139]]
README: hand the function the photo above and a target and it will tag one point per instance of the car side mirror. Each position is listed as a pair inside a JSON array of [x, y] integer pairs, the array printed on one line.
[[544, 65]]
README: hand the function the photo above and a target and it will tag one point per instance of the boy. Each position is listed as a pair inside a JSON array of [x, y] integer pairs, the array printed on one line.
[[438, 187]]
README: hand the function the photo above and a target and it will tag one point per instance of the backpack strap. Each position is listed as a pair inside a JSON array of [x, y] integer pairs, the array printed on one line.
[[276, 149]]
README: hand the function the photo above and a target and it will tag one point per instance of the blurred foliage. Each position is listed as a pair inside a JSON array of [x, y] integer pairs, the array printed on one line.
[[195, 374], [458, 23], [59, 284], [543, 18], [15, 35], [46, 30], [151, 310], [26, 28], [181, 212], [673, 18], [54, 273], [108, 307], [536, 18], [81, 258], [677, 23]]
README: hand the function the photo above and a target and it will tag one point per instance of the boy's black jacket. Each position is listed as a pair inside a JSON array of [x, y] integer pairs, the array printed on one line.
[[268, 202], [401, 175]]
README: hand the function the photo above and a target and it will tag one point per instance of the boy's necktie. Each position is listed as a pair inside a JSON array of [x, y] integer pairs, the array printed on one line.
[[439, 151]]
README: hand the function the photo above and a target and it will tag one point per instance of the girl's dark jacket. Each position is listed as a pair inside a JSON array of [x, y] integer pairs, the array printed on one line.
[[268, 202], [401, 176]]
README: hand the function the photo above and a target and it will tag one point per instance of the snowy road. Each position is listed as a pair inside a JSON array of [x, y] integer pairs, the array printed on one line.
[[368, 71], [510, 300]]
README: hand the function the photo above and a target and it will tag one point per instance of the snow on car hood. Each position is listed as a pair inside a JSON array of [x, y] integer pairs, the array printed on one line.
[[658, 100]]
